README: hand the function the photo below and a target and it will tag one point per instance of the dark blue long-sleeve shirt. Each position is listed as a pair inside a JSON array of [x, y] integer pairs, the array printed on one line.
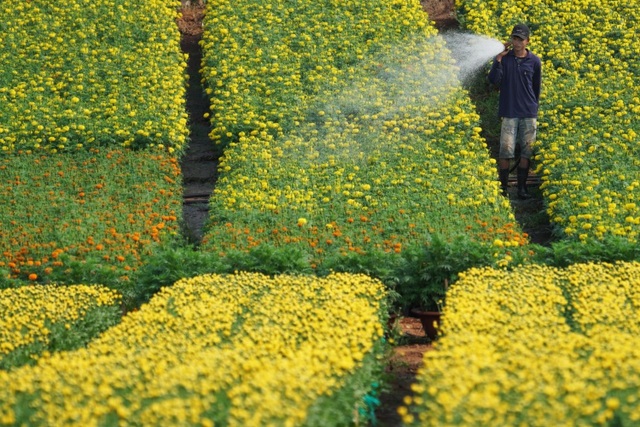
[[519, 81]]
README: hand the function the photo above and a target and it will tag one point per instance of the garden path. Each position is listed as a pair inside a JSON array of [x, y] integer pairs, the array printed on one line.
[[200, 161]]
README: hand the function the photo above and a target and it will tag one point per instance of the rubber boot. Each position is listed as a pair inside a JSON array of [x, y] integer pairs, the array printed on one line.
[[503, 174], [523, 174]]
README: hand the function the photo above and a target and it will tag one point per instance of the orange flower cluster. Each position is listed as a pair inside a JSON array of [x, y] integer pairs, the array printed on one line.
[[497, 230], [388, 232], [103, 205]]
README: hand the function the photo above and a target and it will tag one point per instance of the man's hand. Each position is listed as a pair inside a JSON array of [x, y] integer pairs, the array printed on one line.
[[501, 55]]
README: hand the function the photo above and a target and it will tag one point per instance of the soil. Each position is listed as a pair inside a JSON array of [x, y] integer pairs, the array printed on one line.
[[199, 169], [200, 161], [402, 367], [441, 12]]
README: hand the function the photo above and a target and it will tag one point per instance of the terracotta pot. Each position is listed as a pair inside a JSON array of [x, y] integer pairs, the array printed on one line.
[[430, 322]]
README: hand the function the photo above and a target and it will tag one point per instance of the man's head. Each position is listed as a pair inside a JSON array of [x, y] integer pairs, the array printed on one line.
[[520, 31]]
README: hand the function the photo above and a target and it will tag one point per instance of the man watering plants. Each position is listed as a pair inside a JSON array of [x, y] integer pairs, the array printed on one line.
[[517, 73]]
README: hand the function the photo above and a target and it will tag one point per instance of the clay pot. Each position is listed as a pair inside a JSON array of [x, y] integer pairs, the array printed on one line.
[[430, 321]]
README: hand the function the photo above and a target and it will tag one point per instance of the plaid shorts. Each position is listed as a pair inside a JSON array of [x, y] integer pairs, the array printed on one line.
[[517, 131]]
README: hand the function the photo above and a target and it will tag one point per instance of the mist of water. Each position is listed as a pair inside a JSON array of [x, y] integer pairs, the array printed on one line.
[[471, 51], [407, 81]]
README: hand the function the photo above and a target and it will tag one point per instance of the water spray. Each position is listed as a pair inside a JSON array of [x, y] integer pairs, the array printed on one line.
[[471, 51]]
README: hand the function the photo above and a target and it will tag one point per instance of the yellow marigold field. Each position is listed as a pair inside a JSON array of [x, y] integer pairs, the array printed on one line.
[[538, 346], [359, 146], [27, 313], [296, 51], [239, 350], [80, 74]]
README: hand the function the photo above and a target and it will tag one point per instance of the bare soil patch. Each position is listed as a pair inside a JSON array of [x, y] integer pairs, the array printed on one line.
[[402, 367], [441, 12]]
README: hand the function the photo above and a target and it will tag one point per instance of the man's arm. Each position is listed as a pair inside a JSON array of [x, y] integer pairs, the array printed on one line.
[[537, 80], [495, 74]]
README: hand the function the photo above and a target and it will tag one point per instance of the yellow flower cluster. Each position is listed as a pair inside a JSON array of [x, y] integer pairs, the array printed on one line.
[[27, 312], [77, 73], [537, 346], [265, 61], [237, 350], [589, 125], [386, 139]]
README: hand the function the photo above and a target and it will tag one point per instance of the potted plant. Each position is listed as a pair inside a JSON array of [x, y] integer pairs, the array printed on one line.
[[430, 312]]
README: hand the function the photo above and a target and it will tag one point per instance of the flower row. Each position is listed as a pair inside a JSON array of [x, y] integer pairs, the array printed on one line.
[[29, 316], [537, 346], [265, 62], [381, 153], [238, 350], [588, 143], [84, 74]]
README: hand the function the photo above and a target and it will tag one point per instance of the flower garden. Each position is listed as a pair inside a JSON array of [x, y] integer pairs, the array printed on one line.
[[243, 350], [537, 346], [354, 179]]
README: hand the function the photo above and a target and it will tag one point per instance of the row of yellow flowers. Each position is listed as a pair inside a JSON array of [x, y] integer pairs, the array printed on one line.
[[28, 313], [537, 346], [589, 146], [265, 61], [83, 74], [376, 148], [237, 350]]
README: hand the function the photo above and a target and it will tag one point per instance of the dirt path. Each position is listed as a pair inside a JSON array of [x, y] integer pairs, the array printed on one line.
[[200, 162], [406, 359]]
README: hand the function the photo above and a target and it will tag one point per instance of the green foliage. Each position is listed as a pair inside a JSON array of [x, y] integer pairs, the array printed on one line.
[[567, 252], [5, 279], [355, 399], [91, 269], [164, 267], [269, 259], [375, 263], [177, 261], [429, 269]]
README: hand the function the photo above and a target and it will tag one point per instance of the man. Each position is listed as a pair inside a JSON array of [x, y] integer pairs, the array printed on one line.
[[517, 73]]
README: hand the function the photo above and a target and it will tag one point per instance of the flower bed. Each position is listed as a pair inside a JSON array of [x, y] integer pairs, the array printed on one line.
[[85, 217], [296, 52], [588, 119], [78, 74], [541, 346], [375, 160], [38, 320], [240, 349]]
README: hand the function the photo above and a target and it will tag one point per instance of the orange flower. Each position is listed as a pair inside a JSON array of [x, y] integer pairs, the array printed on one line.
[[33, 277]]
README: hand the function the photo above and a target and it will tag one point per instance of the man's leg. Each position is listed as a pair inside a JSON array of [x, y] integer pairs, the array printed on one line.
[[527, 136], [508, 133]]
